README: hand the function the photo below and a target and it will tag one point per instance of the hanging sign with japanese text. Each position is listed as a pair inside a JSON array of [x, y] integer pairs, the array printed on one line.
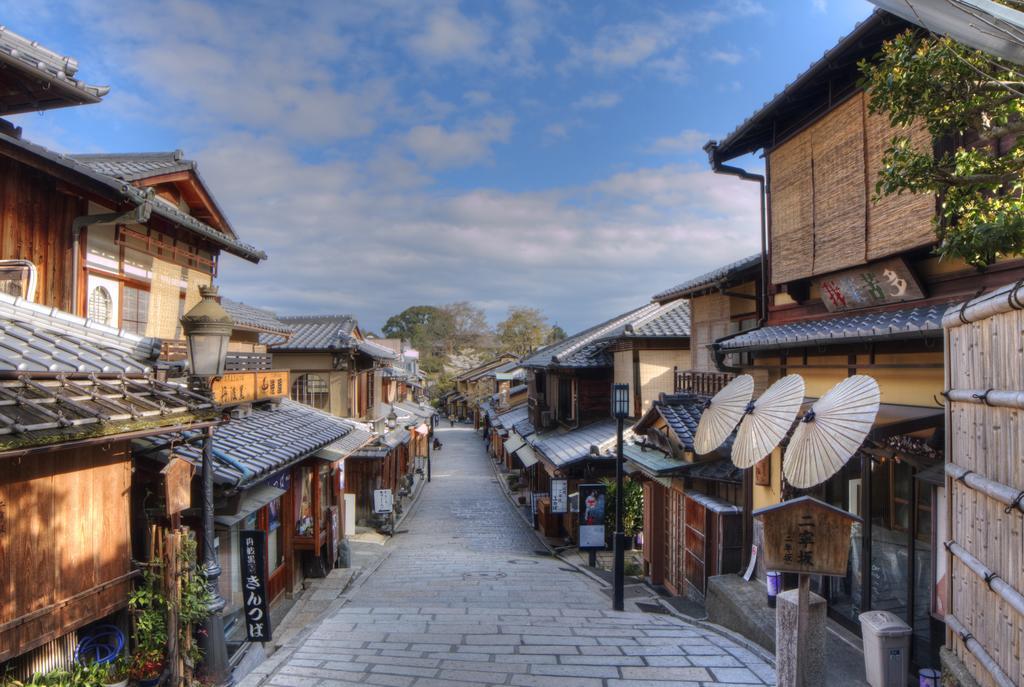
[[880, 283], [245, 387], [255, 605], [806, 536], [591, 512], [383, 501], [559, 496]]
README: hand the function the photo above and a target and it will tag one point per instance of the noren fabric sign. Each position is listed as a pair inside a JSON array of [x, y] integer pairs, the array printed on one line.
[[255, 605]]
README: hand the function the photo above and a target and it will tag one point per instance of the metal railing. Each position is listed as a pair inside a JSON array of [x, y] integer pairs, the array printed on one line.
[[701, 382], [239, 361]]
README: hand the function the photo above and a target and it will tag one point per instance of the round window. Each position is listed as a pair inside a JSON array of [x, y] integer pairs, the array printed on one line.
[[101, 305]]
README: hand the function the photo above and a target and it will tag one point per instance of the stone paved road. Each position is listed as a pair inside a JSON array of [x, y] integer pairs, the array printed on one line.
[[463, 599]]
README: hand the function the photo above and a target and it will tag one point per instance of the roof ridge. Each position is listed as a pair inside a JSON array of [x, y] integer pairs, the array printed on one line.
[[177, 155], [316, 319]]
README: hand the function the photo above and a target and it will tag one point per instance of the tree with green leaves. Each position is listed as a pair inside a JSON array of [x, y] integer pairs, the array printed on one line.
[[972, 105], [411, 324], [555, 334], [522, 331]]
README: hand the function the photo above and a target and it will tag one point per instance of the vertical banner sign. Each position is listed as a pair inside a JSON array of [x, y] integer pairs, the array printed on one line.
[[559, 496], [254, 585], [383, 501], [591, 511]]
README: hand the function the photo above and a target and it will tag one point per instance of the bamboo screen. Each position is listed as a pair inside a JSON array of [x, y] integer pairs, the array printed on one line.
[[164, 300], [985, 354], [709, 316], [837, 154], [895, 223], [792, 215], [822, 181]]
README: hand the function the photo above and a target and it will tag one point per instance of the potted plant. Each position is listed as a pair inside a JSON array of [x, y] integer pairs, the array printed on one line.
[[115, 673], [147, 666]]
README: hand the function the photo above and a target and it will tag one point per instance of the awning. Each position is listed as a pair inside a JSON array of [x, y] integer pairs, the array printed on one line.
[[252, 500], [526, 456], [630, 467], [514, 442]]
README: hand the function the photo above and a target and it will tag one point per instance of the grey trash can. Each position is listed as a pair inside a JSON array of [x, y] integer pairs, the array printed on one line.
[[886, 648]]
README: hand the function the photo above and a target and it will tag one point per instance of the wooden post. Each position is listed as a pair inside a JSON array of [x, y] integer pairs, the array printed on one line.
[[803, 620]]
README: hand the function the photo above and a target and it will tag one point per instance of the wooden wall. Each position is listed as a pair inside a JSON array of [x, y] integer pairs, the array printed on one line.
[[823, 218], [35, 224], [64, 535], [989, 441]]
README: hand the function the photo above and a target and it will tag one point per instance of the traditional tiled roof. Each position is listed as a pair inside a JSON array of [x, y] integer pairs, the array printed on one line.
[[348, 444], [524, 427], [374, 350], [683, 416], [311, 333], [415, 409], [589, 347], [256, 319], [272, 437], [135, 166], [718, 276], [903, 323], [509, 419], [47, 79], [563, 448], [37, 338], [137, 197], [383, 445], [671, 320], [656, 463]]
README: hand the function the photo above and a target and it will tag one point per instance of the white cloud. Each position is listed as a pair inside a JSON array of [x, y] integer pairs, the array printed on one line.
[[686, 141], [440, 148], [478, 97], [598, 101], [820, 5], [726, 56], [449, 36]]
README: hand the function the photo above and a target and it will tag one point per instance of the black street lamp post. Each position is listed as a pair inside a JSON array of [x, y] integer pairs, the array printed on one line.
[[620, 409], [207, 328]]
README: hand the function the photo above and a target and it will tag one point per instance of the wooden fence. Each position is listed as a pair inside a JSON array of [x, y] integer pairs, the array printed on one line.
[[985, 485]]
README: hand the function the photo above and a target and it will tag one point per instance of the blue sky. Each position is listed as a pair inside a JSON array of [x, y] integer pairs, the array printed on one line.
[[396, 153]]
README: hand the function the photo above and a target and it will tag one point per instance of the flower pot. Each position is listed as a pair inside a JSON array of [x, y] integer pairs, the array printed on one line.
[[151, 682]]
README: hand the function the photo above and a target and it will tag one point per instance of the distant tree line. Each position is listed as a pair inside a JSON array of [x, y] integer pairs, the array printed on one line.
[[440, 332]]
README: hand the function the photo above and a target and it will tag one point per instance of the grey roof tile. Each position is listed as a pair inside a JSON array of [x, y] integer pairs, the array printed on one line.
[[589, 347], [37, 63], [326, 332], [904, 323], [511, 418], [37, 338], [272, 437], [136, 166], [254, 318], [670, 320], [524, 428], [563, 448], [711, 278]]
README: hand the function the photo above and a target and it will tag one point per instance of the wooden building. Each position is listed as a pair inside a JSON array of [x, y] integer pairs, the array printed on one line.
[[853, 287], [472, 385], [73, 394], [571, 433], [278, 467]]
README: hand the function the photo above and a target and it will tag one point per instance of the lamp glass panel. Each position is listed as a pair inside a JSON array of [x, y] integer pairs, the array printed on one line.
[[207, 354]]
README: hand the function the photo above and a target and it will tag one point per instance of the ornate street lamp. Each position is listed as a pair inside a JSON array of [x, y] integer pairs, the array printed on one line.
[[620, 411], [207, 328]]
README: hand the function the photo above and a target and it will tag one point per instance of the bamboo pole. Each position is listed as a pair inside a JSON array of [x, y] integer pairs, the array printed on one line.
[[995, 583], [992, 397], [1002, 300], [979, 652], [1008, 496]]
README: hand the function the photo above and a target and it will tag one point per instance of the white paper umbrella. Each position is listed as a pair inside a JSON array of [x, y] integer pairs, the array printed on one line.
[[722, 414], [767, 420], [831, 431]]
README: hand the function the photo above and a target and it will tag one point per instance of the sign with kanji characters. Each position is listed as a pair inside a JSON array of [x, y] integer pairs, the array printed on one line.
[[245, 387], [177, 485], [591, 511], [559, 496], [880, 283], [806, 536], [383, 501], [255, 605]]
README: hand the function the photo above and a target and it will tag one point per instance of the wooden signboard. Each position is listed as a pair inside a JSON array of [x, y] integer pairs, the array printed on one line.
[[246, 387], [880, 283], [806, 536], [763, 472], [178, 484]]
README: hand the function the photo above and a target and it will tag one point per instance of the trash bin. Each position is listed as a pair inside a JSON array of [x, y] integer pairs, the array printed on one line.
[[886, 648]]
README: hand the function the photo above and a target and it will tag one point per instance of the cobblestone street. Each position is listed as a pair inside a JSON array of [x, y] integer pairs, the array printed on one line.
[[466, 595]]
